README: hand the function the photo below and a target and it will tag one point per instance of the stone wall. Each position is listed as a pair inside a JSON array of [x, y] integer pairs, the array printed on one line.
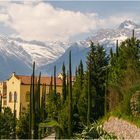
[[122, 129]]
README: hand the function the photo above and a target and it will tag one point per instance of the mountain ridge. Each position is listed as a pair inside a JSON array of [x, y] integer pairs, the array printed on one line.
[[17, 54]]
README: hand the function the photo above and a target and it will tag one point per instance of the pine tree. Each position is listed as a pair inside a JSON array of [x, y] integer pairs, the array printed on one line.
[[38, 92], [64, 83], [89, 97], [55, 81], [117, 49], [81, 73], [43, 102], [51, 85], [33, 104], [133, 33], [76, 73], [0, 103], [30, 111], [70, 99], [97, 61], [15, 116]]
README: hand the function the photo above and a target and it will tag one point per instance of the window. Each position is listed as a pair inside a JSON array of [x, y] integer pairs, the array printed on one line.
[[27, 96], [4, 102], [10, 96], [15, 96]]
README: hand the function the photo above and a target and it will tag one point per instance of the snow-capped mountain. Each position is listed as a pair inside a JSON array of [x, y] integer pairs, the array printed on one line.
[[128, 24], [17, 55]]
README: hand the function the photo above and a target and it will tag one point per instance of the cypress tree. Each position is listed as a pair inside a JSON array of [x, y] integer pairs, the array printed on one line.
[[106, 87], [89, 99], [0, 103], [51, 85], [117, 48], [76, 73], [33, 104], [37, 106], [64, 82], [43, 102], [111, 52], [70, 99], [133, 33], [39, 80], [30, 107], [81, 73], [55, 81], [15, 116]]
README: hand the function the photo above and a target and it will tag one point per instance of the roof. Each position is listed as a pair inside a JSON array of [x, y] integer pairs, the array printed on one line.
[[44, 80]]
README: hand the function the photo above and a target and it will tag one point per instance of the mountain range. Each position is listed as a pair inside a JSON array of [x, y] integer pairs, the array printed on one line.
[[17, 55]]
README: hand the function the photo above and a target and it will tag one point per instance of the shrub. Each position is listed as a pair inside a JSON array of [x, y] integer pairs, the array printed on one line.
[[95, 131], [135, 104]]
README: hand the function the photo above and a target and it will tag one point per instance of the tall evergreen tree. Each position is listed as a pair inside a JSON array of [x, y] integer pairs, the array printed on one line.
[[15, 98], [81, 73], [33, 104], [30, 109], [0, 103], [96, 66], [117, 48], [89, 98], [133, 33], [70, 99], [51, 85], [55, 81], [64, 83]]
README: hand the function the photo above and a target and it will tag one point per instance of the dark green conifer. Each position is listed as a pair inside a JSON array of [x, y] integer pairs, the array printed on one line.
[[55, 81], [89, 99], [117, 48], [33, 104], [70, 99], [15, 98], [64, 83], [51, 85]]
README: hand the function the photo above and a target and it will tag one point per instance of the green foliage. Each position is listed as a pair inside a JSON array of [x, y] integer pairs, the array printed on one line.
[[70, 99], [124, 71], [97, 62], [64, 89], [23, 126], [94, 131], [7, 124], [53, 105]]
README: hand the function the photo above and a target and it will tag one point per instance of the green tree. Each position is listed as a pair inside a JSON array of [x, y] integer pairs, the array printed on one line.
[[97, 61], [70, 99], [7, 125], [54, 81], [23, 126], [64, 83]]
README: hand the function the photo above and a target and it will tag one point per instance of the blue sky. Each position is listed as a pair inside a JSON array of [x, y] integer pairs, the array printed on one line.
[[63, 20], [103, 8]]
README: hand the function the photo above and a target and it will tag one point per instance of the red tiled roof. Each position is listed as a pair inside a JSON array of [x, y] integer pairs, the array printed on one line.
[[44, 80]]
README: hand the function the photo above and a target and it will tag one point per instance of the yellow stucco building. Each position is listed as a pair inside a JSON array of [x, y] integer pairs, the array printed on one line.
[[17, 88]]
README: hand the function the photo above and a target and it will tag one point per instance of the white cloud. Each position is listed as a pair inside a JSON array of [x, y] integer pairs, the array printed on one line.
[[4, 18], [43, 22], [37, 20]]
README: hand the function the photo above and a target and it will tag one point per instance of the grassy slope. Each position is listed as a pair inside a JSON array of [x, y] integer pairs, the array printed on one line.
[[123, 110]]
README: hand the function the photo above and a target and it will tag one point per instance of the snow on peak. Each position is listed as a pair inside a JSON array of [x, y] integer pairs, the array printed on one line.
[[128, 24]]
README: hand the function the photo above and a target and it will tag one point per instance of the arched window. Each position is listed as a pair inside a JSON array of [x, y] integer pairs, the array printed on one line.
[[15, 96], [27, 96], [10, 96]]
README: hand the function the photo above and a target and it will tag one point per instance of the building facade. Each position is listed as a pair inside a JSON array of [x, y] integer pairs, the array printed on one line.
[[17, 89], [3, 93]]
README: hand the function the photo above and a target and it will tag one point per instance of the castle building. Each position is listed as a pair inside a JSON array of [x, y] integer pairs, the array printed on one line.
[[17, 88]]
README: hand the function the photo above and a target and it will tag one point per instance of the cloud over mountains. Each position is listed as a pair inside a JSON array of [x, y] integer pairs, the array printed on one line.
[[39, 20]]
